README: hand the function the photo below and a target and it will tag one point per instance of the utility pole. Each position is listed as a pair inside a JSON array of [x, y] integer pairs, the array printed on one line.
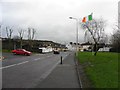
[[77, 21]]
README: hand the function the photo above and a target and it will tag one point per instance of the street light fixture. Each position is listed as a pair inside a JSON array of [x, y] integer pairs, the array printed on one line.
[[70, 17], [76, 32]]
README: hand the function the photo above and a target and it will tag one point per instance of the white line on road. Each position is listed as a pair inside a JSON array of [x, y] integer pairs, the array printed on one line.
[[37, 59], [42, 58], [13, 65], [27, 61], [22, 63], [49, 55], [44, 75]]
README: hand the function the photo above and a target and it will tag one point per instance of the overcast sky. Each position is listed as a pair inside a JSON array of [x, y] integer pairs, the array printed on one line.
[[50, 18]]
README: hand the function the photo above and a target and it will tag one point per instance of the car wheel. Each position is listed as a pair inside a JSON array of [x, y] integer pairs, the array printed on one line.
[[25, 54], [14, 53]]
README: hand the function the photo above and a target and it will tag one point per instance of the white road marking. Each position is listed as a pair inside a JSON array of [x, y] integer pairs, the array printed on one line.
[[8, 66], [22, 62], [13, 65], [37, 59], [42, 58], [28, 61], [44, 75]]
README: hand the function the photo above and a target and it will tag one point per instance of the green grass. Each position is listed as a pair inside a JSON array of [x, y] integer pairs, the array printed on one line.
[[6, 51], [102, 69]]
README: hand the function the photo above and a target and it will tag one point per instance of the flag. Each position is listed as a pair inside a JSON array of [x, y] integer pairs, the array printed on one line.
[[84, 19], [88, 18]]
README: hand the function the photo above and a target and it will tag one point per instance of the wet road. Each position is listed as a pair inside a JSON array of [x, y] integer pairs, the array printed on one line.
[[27, 71]]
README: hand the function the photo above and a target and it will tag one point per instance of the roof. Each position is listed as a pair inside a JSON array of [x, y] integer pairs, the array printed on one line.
[[86, 43]]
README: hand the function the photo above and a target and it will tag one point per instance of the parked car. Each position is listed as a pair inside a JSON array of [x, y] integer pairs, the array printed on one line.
[[56, 51], [21, 52]]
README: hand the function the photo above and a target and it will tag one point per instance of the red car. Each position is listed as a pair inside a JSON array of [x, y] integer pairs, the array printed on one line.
[[21, 52]]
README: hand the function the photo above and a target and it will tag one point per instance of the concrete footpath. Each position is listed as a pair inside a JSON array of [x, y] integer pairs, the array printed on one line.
[[63, 76]]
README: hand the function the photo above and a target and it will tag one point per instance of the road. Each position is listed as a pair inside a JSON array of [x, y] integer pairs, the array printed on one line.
[[27, 71]]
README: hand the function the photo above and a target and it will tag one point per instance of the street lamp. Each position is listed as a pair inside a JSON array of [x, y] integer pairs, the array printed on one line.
[[76, 32]]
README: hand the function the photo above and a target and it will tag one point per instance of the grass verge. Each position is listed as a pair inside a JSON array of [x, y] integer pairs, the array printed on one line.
[[102, 70], [6, 51]]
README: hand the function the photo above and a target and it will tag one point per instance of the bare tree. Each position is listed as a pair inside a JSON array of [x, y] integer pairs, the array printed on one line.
[[9, 32], [15, 39], [31, 36], [115, 39], [31, 33], [95, 29], [21, 34]]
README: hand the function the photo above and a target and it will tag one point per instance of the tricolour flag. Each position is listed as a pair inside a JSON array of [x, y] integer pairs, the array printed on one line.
[[88, 18]]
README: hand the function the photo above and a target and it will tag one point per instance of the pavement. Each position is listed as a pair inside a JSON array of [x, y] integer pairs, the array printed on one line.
[[63, 75]]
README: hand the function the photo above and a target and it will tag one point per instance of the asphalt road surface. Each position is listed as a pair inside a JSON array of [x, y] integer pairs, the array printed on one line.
[[20, 71]]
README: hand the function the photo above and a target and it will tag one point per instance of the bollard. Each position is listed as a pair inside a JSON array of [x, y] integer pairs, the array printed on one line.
[[61, 60]]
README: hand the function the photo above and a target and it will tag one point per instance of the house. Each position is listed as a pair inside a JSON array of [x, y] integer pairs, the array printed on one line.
[[45, 49], [72, 47], [104, 49], [86, 46], [89, 46], [33, 45]]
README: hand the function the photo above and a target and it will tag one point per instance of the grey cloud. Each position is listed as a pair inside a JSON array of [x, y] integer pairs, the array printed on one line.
[[51, 18]]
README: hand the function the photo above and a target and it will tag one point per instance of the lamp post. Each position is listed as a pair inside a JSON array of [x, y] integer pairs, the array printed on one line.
[[76, 32]]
